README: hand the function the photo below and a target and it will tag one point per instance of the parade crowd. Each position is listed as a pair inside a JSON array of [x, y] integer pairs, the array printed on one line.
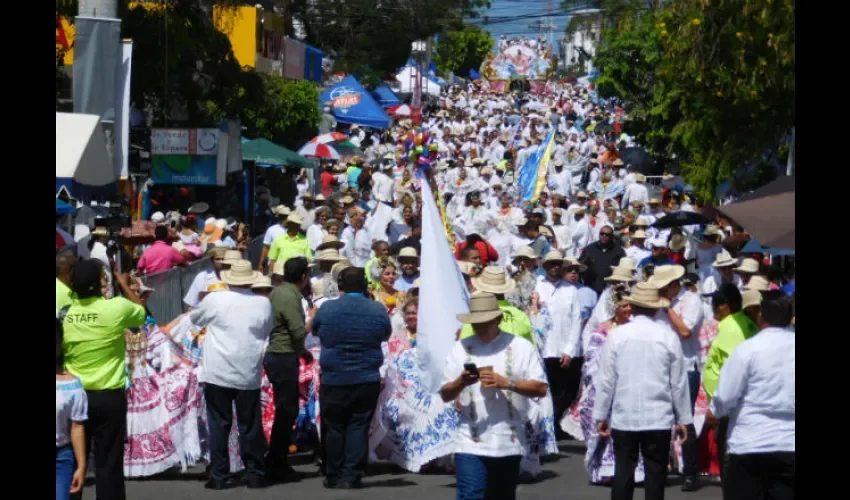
[[666, 350]]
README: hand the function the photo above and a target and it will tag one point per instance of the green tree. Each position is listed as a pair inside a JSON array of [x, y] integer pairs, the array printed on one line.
[[461, 50], [709, 82], [285, 112]]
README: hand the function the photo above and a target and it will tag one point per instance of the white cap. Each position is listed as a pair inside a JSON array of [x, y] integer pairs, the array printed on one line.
[[157, 217]]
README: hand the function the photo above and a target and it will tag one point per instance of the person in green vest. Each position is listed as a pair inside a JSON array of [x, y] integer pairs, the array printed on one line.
[[493, 280]]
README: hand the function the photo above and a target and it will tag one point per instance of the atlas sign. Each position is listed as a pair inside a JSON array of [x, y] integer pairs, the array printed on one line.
[[342, 97]]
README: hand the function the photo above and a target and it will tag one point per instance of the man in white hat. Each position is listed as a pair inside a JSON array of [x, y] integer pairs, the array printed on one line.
[[562, 342], [357, 238], [658, 254], [292, 244], [685, 317], [724, 272], [492, 279], [560, 179], [622, 277], [408, 259], [273, 232], [635, 191], [637, 246], [642, 393], [206, 277], [482, 370], [238, 324]]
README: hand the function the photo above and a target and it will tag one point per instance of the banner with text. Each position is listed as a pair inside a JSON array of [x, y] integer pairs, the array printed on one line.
[[185, 156]]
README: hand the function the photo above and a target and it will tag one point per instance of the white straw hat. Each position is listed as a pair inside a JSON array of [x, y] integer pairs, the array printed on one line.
[[232, 256], [262, 282], [621, 274], [723, 259], [408, 253], [553, 256], [749, 266], [483, 307], [525, 251], [664, 275], [240, 274], [330, 241], [572, 261], [328, 255], [758, 283], [750, 298], [646, 295], [492, 280]]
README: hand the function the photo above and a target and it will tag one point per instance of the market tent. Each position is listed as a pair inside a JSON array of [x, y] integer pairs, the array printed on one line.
[[407, 82], [385, 96], [264, 152], [81, 154], [351, 103], [768, 213]]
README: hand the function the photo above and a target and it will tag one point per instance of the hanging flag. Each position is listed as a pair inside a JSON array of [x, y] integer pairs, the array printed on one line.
[[442, 296], [532, 175]]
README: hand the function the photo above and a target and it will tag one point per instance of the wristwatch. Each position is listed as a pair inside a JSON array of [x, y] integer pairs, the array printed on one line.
[[512, 386]]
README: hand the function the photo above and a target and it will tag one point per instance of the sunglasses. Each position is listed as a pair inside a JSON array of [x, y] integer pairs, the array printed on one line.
[[572, 269], [606, 234]]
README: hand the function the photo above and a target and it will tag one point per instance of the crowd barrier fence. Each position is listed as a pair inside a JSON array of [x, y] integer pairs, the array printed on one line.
[[166, 302]]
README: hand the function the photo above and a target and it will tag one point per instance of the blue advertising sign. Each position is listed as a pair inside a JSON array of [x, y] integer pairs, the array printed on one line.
[[184, 169]]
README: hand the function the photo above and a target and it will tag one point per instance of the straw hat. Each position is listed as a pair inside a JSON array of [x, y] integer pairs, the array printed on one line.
[[408, 253], [677, 242], [621, 274], [657, 243], [492, 280], [328, 255], [581, 194], [280, 210], [338, 267], [521, 221], [100, 231], [262, 282], [646, 295], [723, 259], [294, 218], [545, 231], [748, 266], [711, 231], [664, 275], [346, 200], [626, 263], [466, 268], [636, 203], [199, 208], [640, 178], [553, 256], [580, 211], [483, 308], [240, 273], [320, 197], [758, 283], [640, 234], [330, 241], [232, 256], [525, 251], [617, 163], [572, 261], [641, 222], [654, 201], [750, 298]]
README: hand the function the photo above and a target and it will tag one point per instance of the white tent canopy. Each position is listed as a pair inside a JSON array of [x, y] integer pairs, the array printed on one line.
[[81, 150], [407, 80]]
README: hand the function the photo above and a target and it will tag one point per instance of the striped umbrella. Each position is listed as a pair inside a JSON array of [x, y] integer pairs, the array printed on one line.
[[329, 137], [400, 110], [316, 150]]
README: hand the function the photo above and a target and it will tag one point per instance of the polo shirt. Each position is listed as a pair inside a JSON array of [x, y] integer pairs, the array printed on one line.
[[64, 296], [94, 340], [733, 330], [284, 248], [514, 322], [160, 257]]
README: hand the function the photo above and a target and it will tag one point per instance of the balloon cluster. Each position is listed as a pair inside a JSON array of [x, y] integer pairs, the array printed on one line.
[[419, 147]]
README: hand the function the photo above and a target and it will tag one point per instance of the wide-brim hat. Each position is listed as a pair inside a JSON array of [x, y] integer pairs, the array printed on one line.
[[483, 308], [262, 282], [280, 210], [525, 252], [240, 274], [199, 208], [100, 231], [553, 256], [641, 221], [330, 241], [408, 253], [572, 262], [711, 230], [664, 275], [723, 259], [646, 295], [621, 274], [750, 298], [466, 268], [758, 283], [294, 218], [493, 280], [328, 255], [749, 266], [677, 242], [232, 256]]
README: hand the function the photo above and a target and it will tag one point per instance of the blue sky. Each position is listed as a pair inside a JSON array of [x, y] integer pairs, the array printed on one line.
[[520, 27]]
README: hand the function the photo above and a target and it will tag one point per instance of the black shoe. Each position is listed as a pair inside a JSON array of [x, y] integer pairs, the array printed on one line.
[[256, 482], [284, 474], [329, 484], [215, 484], [690, 484], [353, 485]]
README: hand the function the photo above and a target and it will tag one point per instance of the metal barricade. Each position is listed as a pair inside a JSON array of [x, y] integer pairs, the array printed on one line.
[[166, 302]]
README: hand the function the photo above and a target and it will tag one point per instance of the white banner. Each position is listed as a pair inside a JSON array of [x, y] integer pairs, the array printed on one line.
[[121, 134], [441, 297], [184, 141]]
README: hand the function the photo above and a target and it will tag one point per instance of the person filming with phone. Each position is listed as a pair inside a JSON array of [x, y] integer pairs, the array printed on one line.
[[491, 375]]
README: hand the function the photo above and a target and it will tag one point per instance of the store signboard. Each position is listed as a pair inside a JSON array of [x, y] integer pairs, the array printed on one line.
[[183, 141], [185, 156]]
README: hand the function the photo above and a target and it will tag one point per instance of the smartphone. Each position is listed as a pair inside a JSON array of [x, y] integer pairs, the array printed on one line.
[[471, 368]]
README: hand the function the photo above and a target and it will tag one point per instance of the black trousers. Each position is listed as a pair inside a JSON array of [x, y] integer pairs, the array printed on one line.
[[655, 448], [760, 476], [106, 432], [282, 371], [347, 412], [564, 384], [720, 439], [252, 441], [690, 447]]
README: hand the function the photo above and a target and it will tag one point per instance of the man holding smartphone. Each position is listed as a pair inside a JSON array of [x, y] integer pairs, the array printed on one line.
[[491, 375]]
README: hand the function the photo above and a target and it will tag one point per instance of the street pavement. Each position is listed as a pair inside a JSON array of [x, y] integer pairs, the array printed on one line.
[[564, 477]]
